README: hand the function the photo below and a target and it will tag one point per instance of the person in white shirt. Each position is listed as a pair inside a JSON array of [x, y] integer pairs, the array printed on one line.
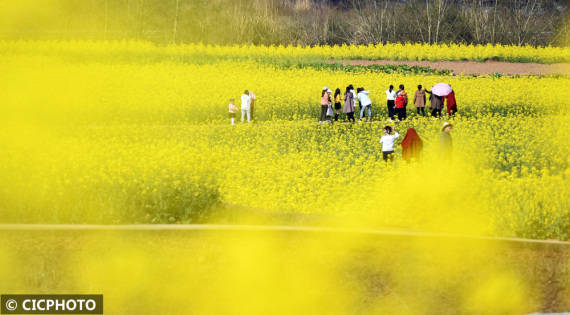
[[391, 95], [233, 110], [330, 111], [365, 102], [245, 106], [388, 143]]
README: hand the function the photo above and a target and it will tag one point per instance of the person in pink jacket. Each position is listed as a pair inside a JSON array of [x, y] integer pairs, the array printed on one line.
[[325, 103]]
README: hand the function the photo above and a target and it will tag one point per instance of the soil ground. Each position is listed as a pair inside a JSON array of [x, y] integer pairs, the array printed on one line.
[[473, 67]]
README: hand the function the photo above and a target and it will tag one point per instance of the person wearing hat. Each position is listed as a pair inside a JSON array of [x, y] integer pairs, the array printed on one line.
[[445, 141], [325, 102]]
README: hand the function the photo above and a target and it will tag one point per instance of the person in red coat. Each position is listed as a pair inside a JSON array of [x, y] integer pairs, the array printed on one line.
[[401, 107], [451, 104], [412, 145]]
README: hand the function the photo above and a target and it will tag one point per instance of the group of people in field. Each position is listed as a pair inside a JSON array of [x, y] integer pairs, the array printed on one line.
[[333, 105], [350, 97], [247, 106], [412, 144], [397, 103]]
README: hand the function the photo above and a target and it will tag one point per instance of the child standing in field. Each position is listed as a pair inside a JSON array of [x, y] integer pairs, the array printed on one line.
[[233, 111], [337, 105], [388, 143]]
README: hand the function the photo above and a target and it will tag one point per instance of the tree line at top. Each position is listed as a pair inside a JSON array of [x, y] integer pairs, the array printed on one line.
[[297, 22]]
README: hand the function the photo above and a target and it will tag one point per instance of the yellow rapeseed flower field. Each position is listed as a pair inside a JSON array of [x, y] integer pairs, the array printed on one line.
[[133, 132], [391, 51]]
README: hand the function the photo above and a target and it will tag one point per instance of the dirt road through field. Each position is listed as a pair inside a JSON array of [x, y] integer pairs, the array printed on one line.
[[473, 67]]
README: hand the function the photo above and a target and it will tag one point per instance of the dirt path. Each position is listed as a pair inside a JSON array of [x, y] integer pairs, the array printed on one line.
[[473, 67]]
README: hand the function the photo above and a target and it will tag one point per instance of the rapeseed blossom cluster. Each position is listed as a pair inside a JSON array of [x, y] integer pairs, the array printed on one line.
[[180, 93]]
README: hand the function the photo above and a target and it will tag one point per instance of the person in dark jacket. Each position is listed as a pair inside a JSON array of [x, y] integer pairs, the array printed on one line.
[[436, 104], [348, 108], [337, 105]]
